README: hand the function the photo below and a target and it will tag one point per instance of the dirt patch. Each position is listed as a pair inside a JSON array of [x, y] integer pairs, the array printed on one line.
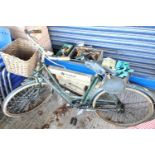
[[89, 119], [45, 126], [60, 125], [61, 111], [40, 113]]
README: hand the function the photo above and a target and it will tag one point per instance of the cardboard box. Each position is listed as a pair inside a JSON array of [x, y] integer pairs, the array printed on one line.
[[43, 38]]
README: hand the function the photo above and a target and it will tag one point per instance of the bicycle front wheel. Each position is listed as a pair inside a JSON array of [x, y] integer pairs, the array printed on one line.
[[138, 107], [24, 99]]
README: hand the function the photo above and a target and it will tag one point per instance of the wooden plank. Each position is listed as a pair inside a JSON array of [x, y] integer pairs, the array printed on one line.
[[78, 89], [73, 81], [70, 75]]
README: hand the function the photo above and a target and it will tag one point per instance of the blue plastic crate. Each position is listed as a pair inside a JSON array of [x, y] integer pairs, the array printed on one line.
[[5, 37]]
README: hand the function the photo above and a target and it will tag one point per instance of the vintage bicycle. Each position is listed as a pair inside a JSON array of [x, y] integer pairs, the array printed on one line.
[[110, 97]]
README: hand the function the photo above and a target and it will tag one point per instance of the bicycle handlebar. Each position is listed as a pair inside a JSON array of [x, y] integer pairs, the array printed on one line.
[[28, 33], [41, 49], [43, 52]]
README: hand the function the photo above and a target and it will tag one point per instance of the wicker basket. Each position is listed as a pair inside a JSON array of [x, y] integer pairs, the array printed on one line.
[[20, 57]]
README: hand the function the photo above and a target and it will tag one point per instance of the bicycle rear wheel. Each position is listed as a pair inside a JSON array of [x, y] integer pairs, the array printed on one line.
[[24, 99], [138, 107]]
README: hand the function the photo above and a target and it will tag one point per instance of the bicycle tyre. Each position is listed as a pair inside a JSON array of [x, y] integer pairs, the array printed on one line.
[[14, 104], [134, 114]]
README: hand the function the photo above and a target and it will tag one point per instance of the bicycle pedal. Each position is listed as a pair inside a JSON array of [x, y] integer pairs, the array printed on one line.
[[73, 121]]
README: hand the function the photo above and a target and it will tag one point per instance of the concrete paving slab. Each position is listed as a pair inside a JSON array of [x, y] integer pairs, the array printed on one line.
[[53, 114]]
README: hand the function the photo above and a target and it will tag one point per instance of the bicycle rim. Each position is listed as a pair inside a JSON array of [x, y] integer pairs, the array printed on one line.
[[25, 99], [138, 107]]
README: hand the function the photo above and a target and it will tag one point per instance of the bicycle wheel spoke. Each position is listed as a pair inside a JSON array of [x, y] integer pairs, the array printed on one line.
[[27, 99], [138, 107]]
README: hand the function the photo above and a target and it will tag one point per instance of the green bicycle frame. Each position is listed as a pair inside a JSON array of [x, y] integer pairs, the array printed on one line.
[[53, 83]]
